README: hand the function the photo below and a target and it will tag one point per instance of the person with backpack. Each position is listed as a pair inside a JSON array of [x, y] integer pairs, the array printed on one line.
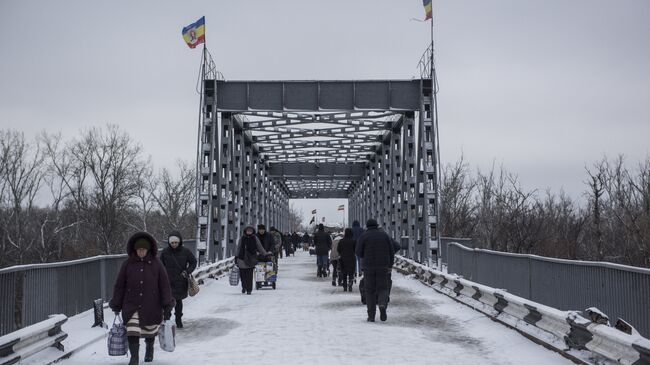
[[179, 262]]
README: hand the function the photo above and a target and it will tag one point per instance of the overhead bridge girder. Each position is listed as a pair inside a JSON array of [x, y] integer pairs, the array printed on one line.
[[328, 170], [399, 95], [318, 194], [262, 143]]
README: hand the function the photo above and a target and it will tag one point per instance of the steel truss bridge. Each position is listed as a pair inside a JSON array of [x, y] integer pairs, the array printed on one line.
[[262, 143]]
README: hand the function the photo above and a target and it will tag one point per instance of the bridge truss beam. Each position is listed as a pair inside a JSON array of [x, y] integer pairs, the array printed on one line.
[[262, 143]]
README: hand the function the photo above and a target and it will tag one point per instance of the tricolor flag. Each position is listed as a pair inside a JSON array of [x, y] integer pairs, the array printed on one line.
[[341, 207], [194, 34], [313, 211], [312, 220], [427, 9]]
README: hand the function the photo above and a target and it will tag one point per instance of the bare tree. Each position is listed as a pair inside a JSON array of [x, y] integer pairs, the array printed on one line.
[[21, 176], [114, 162], [175, 197]]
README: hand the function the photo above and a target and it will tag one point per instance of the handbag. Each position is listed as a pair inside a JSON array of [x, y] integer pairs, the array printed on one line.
[[167, 335], [117, 341], [234, 276], [192, 286]]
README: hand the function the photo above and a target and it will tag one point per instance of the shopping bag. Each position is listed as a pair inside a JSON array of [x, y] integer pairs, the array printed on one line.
[[192, 286], [166, 335], [234, 276], [117, 341]]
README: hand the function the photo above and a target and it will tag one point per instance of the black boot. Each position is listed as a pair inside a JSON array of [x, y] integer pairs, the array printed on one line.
[[179, 323], [134, 349], [382, 313], [148, 354]]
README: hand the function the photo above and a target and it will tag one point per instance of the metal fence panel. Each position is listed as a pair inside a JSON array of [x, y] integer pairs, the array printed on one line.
[[30, 293], [7, 302], [617, 290]]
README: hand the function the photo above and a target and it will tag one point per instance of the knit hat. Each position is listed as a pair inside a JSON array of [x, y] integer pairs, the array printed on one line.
[[261, 226], [321, 227], [372, 223], [142, 243]]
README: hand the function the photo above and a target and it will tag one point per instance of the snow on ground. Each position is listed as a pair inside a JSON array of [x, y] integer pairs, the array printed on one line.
[[308, 321]]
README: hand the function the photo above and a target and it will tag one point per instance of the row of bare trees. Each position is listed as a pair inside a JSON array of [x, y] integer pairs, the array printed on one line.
[[64, 199], [612, 223]]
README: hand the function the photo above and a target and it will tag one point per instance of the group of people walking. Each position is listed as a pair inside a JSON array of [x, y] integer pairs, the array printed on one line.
[[148, 288], [370, 253]]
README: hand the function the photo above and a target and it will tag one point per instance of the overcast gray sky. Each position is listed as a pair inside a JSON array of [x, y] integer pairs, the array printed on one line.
[[543, 87]]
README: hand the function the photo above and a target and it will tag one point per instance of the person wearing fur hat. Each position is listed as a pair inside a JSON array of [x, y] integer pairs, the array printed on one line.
[[179, 262], [376, 249], [142, 293], [248, 248]]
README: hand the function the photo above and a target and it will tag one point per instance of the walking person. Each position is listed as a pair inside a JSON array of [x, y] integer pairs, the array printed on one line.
[[323, 245], [305, 242], [267, 242], [375, 248], [277, 240], [248, 248], [286, 244], [179, 262], [334, 260], [143, 294], [347, 259], [357, 231], [295, 241]]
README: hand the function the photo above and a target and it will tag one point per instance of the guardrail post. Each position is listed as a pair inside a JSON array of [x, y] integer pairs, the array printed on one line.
[[102, 278]]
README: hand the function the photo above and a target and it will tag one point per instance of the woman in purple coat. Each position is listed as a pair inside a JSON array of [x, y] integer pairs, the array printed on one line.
[[142, 293]]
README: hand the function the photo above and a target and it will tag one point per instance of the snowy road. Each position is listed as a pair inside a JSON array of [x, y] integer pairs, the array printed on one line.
[[308, 321]]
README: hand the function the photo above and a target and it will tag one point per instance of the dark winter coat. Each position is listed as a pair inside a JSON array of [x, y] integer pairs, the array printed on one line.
[[376, 249], [142, 285], [247, 250], [176, 261], [286, 242], [306, 239], [267, 242], [346, 249], [357, 231], [295, 239], [323, 243]]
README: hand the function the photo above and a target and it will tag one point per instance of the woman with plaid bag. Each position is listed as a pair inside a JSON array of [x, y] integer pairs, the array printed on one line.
[[142, 293]]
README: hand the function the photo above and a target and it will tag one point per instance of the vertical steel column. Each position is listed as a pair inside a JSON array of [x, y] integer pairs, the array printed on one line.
[[395, 191], [229, 164], [385, 212], [255, 188], [207, 176], [409, 184], [431, 188]]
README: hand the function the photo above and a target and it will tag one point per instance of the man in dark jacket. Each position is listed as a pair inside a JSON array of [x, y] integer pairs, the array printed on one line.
[[179, 263], [295, 241], [377, 252], [357, 231], [306, 241], [265, 238], [323, 243]]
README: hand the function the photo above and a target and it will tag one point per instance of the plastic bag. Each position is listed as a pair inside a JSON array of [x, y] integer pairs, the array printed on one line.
[[234, 276], [166, 335]]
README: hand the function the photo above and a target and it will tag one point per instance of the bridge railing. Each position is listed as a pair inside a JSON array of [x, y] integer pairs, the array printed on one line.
[[30, 293], [617, 290]]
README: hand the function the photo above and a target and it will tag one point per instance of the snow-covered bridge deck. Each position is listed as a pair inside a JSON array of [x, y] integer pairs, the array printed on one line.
[[308, 321]]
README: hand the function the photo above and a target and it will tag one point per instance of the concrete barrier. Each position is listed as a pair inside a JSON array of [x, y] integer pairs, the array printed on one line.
[[18, 345], [586, 338]]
